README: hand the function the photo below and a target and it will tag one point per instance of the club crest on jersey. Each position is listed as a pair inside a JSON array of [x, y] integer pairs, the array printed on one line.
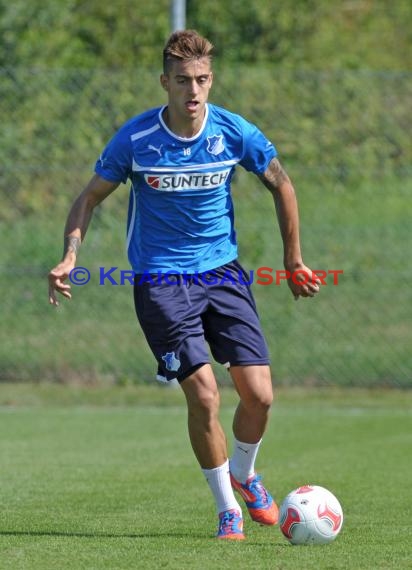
[[171, 362], [215, 144]]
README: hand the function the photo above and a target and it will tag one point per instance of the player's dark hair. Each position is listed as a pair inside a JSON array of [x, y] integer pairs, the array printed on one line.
[[185, 45]]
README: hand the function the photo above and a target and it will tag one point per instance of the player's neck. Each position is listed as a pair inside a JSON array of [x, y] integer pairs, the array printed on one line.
[[181, 127]]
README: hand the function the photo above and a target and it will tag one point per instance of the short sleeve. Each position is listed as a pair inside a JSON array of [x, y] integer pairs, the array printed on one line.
[[258, 151], [115, 162]]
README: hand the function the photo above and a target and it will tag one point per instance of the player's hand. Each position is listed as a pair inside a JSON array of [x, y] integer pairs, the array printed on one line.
[[303, 282], [57, 277]]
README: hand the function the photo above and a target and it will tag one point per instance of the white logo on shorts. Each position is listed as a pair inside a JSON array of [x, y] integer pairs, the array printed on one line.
[[171, 362]]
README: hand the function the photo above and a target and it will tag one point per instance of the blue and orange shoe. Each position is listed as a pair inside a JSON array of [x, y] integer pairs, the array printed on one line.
[[230, 525], [260, 504]]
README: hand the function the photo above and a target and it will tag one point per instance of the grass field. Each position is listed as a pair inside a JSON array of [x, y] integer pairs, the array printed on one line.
[[104, 477]]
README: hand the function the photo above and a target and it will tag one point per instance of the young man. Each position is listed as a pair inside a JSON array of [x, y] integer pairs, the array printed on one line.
[[189, 289]]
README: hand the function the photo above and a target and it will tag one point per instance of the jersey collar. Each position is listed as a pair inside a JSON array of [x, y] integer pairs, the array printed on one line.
[[185, 139]]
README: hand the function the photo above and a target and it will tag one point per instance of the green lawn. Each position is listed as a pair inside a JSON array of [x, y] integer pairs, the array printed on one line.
[[95, 478]]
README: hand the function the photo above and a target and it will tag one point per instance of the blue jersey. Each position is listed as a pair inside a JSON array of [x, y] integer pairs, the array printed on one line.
[[181, 215]]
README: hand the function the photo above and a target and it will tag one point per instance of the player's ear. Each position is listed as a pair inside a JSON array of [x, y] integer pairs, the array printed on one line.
[[164, 81]]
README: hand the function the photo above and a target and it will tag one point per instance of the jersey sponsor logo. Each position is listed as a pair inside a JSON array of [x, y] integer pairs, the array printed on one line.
[[189, 181], [153, 181], [215, 144]]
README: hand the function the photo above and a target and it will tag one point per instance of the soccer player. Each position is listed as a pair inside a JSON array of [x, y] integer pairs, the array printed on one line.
[[190, 291]]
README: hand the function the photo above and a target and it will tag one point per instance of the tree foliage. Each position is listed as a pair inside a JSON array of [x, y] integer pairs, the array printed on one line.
[[316, 34], [82, 33], [328, 81]]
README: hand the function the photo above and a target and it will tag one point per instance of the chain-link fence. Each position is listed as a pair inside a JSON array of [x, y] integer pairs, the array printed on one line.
[[344, 138]]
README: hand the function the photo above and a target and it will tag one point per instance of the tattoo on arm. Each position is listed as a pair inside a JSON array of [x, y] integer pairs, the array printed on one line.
[[71, 244], [274, 175]]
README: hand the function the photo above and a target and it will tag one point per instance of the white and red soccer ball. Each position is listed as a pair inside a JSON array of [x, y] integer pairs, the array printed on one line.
[[310, 515]]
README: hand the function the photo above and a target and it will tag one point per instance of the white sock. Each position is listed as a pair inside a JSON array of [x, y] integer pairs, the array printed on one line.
[[242, 462], [219, 483]]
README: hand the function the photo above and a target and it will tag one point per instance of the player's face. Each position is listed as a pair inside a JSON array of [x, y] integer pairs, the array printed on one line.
[[187, 84]]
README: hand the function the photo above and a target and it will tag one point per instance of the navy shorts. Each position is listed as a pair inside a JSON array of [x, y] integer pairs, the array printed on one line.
[[181, 315]]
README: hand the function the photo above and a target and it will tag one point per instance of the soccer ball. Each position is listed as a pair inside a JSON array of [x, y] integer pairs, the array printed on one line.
[[310, 515]]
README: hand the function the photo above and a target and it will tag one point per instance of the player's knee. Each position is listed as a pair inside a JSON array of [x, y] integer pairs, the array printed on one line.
[[203, 399], [265, 401], [205, 402], [261, 402]]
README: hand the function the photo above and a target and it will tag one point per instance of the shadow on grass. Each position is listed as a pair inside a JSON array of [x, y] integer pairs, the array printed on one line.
[[135, 535], [94, 534]]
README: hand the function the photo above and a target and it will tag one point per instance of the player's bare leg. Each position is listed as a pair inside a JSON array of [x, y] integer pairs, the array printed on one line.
[[254, 386], [203, 401], [209, 445]]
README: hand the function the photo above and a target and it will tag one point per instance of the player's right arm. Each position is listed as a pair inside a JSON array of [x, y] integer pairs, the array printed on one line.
[[75, 230]]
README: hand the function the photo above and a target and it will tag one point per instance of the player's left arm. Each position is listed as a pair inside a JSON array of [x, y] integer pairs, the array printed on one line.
[[305, 282]]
